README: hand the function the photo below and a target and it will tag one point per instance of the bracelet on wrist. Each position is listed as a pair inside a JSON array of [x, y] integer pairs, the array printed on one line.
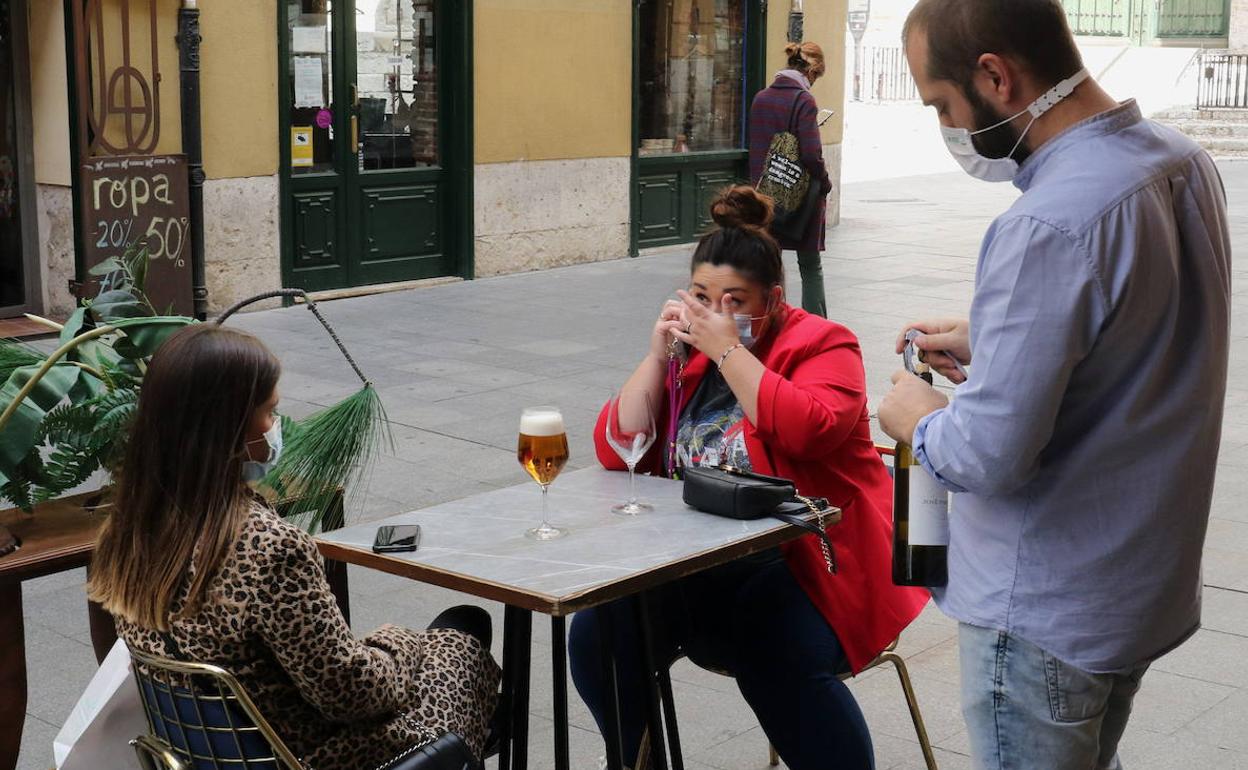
[[724, 356]]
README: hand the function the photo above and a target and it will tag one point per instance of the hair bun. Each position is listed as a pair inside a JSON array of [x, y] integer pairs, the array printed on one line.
[[792, 49], [742, 206]]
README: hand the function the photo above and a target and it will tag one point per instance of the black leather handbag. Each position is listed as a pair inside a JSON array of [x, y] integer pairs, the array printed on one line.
[[446, 752], [794, 225], [737, 494]]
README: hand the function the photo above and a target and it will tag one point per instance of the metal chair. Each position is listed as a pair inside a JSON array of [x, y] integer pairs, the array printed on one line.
[[199, 717], [912, 702], [889, 655]]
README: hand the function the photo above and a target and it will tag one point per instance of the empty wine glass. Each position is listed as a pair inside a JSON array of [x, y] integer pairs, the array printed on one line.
[[543, 451], [631, 433]]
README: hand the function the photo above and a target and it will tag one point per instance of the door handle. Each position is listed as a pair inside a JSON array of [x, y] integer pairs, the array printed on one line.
[[355, 119]]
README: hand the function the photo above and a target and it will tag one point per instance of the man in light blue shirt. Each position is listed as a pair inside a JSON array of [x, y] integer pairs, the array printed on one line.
[[1083, 443]]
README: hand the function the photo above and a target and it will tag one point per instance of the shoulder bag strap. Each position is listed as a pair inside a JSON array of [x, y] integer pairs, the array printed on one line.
[[793, 111], [818, 506]]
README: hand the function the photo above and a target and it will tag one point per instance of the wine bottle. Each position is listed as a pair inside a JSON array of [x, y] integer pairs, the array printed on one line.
[[920, 519]]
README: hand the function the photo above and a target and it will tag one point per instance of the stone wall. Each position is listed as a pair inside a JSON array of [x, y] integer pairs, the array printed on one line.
[[832, 159], [539, 214], [1239, 24], [56, 248], [242, 240]]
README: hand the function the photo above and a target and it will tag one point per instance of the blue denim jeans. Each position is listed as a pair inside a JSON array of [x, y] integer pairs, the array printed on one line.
[[1026, 709]]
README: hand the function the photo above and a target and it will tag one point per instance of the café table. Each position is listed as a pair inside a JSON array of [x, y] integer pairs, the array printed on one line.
[[476, 545]]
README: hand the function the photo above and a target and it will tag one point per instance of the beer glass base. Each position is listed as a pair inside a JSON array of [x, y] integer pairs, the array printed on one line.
[[545, 532], [631, 509]]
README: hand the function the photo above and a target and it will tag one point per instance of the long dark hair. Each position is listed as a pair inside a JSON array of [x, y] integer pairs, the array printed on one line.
[[180, 495]]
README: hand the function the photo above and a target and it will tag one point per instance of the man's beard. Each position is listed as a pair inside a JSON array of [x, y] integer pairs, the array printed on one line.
[[998, 142]]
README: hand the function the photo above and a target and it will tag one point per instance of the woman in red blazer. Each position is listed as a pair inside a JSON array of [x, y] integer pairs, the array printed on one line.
[[789, 402]]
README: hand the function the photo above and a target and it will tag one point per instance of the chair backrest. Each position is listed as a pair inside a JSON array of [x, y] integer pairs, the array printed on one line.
[[206, 719], [887, 451]]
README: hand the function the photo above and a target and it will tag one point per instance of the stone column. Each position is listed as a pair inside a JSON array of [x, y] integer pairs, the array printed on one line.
[[1239, 24]]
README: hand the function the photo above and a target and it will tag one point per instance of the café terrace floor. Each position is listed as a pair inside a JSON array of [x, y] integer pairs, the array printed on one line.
[[456, 363]]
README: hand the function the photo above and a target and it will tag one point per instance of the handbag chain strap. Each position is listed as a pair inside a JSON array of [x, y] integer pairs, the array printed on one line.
[[823, 541]]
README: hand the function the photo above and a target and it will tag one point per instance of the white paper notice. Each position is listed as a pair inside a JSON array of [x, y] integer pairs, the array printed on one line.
[[309, 82], [308, 39]]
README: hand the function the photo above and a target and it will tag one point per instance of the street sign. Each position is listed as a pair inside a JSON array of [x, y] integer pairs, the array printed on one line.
[[859, 14]]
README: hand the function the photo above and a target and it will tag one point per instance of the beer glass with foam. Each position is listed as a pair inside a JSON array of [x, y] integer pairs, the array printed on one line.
[[543, 451]]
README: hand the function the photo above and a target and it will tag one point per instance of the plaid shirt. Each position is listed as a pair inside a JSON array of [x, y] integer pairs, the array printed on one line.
[[769, 115]]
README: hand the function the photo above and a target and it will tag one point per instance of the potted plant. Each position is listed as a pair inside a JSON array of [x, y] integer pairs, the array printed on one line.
[[65, 415]]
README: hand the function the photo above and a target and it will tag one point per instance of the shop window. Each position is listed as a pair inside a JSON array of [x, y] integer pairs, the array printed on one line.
[[398, 83], [692, 57]]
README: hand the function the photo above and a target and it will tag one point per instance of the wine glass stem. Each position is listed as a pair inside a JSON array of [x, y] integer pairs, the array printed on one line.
[[545, 507], [632, 484]]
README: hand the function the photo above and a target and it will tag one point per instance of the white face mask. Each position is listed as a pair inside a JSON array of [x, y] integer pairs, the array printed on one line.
[[960, 145], [254, 470]]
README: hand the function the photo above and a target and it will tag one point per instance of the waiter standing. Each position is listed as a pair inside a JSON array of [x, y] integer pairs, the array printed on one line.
[[1083, 445]]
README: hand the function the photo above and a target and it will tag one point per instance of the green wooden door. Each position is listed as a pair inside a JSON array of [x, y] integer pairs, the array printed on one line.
[[1193, 18], [373, 167], [1142, 21], [1102, 18], [697, 66]]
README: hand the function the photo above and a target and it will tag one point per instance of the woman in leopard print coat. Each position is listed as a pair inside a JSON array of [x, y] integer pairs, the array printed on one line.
[[193, 566]]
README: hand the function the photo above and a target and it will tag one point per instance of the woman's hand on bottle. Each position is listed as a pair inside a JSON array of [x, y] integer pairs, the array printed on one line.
[[671, 318], [942, 340], [712, 330]]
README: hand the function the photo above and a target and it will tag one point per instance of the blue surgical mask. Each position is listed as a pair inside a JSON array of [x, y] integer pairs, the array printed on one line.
[[745, 328], [254, 470]]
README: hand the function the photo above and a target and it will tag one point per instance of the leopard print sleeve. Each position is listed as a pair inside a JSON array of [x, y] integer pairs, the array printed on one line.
[[298, 619]]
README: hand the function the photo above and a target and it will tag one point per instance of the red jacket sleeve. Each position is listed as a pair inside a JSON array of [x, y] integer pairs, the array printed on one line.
[[812, 411]]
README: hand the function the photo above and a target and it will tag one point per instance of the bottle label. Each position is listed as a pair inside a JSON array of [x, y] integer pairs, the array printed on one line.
[[929, 509]]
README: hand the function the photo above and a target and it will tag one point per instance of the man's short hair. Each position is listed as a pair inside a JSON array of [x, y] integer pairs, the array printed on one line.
[[1032, 32]]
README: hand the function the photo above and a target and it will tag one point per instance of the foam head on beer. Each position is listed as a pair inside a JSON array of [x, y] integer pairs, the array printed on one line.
[[541, 422]]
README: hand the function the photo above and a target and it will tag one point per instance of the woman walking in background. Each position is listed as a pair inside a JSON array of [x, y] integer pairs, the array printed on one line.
[[788, 105]]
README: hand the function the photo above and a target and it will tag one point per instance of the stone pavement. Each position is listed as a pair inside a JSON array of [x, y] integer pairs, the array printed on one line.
[[456, 363]]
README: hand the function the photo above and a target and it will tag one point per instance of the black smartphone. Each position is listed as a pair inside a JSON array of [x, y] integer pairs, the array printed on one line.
[[397, 538]]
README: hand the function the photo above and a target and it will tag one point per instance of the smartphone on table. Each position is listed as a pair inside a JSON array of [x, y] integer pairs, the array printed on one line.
[[397, 538]]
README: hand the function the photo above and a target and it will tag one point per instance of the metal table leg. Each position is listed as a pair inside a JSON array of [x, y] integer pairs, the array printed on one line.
[[518, 631], [614, 737], [559, 661], [669, 715], [509, 691], [658, 753]]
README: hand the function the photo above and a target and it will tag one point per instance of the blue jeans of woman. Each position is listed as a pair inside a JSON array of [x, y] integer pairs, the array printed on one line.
[[752, 620]]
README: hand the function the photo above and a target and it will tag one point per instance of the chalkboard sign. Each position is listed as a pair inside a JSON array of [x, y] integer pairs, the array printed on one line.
[[136, 199]]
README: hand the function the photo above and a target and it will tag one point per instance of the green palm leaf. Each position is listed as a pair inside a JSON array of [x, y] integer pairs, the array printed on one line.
[[329, 451]]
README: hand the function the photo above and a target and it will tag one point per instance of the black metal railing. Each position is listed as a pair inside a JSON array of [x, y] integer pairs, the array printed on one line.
[[885, 76], [1223, 80]]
